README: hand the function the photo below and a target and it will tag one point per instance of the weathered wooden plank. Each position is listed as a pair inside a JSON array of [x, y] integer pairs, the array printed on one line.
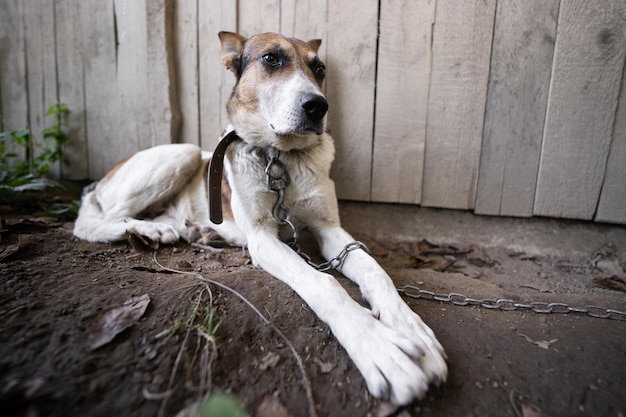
[[612, 206], [461, 50], [404, 61], [216, 83], [13, 91], [351, 61], [163, 107], [255, 16], [128, 106], [521, 63], [41, 69], [304, 19], [99, 58], [589, 60], [71, 88], [186, 50]]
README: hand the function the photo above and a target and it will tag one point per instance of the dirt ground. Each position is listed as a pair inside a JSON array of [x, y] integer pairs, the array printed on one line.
[[57, 291]]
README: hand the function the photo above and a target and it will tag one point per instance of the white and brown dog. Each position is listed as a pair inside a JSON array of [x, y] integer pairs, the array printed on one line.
[[276, 107]]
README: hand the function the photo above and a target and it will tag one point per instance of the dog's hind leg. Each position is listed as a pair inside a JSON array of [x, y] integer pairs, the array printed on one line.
[[148, 179]]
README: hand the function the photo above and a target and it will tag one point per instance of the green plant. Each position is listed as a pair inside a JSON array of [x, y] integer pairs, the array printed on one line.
[[17, 175], [219, 404]]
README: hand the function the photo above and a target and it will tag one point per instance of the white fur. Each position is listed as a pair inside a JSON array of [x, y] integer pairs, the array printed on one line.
[[397, 354]]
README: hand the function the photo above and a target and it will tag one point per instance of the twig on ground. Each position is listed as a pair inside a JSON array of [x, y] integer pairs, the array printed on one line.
[[305, 380]]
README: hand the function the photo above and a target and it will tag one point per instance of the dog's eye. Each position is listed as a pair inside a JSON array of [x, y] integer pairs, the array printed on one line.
[[271, 60], [320, 70]]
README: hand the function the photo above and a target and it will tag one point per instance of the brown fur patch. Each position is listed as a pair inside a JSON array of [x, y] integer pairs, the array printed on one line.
[[112, 172]]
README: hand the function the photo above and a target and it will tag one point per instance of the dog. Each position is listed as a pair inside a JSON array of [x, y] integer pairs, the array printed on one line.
[[277, 113]]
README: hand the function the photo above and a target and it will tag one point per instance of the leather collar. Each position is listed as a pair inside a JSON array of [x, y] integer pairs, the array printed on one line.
[[216, 169]]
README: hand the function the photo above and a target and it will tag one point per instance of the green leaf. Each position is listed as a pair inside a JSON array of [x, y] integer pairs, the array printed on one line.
[[58, 108], [221, 405]]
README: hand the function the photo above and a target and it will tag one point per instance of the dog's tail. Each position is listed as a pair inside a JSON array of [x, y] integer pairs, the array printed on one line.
[[91, 224]]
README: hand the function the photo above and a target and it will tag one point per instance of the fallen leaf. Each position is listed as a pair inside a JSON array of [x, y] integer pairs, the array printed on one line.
[[235, 262], [435, 263], [325, 367], [480, 258], [269, 361], [378, 250], [271, 407], [610, 267], [543, 344], [523, 407], [116, 320], [467, 270], [22, 240], [610, 282]]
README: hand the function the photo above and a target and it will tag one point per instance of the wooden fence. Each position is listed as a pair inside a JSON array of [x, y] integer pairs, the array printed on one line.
[[507, 107]]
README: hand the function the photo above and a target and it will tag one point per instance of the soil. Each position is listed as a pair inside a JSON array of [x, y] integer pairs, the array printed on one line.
[[56, 290]]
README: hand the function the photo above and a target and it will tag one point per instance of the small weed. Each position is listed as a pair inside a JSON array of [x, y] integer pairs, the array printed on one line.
[[204, 321], [28, 174], [208, 324]]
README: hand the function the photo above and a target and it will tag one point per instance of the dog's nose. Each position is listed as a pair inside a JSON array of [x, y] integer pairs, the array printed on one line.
[[314, 105]]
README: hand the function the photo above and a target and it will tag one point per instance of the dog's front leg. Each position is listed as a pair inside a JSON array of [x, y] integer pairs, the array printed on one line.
[[383, 355], [381, 294]]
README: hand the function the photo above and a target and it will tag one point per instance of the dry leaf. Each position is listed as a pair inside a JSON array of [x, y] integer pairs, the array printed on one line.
[[325, 367], [271, 407], [235, 262], [607, 281], [116, 320], [480, 258], [543, 344], [22, 240], [378, 250], [467, 270], [434, 263], [269, 361]]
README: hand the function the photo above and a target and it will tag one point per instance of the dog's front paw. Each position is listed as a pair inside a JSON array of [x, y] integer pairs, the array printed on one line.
[[158, 232], [394, 366], [410, 325]]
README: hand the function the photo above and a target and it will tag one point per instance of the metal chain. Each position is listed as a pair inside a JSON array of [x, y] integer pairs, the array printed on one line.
[[504, 304], [277, 179]]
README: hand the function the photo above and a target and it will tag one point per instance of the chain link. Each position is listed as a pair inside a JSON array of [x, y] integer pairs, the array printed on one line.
[[277, 179], [504, 304]]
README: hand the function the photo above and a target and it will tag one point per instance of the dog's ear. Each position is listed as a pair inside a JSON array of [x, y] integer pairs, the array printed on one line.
[[315, 44], [232, 48]]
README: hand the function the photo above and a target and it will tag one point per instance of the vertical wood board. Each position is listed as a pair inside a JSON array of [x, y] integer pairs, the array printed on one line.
[[162, 105], [186, 67], [612, 205], [589, 59], [216, 83], [351, 78], [304, 19], [71, 88], [13, 78], [99, 56], [402, 82], [461, 52], [41, 70], [128, 104], [521, 63], [254, 16]]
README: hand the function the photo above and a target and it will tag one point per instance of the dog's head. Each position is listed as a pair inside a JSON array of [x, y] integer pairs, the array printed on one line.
[[277, 100]]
